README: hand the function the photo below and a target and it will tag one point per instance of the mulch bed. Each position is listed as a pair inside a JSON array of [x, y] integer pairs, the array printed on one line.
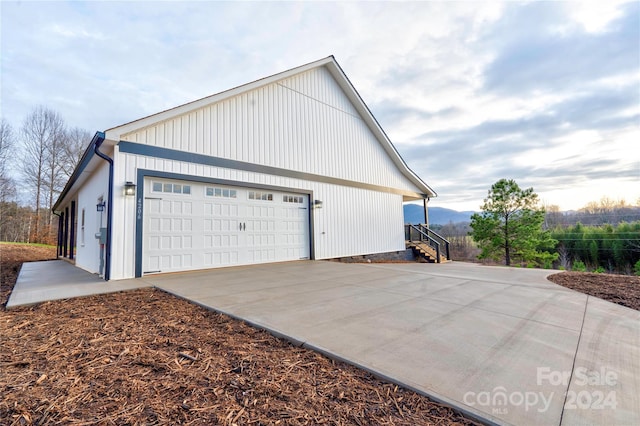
[[146, 357], [620, 289]]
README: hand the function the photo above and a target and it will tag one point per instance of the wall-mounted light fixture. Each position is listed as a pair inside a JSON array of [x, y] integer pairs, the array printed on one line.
[[317, 204], [100, 206], [129, 188]]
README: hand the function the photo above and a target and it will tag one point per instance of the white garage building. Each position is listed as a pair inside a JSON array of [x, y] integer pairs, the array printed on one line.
[[292, 166]]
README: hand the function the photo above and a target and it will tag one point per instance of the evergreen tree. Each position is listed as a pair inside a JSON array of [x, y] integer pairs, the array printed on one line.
[[510, 226]]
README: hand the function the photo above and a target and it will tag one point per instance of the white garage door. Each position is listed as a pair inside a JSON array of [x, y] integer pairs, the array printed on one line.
[[196, 226]]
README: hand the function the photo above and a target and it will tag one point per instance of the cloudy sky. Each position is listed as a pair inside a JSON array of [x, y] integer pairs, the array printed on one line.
[[546, 93]]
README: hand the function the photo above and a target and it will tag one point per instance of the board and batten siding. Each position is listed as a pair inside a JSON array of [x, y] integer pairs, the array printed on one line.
[[351, 221], [304, 123]]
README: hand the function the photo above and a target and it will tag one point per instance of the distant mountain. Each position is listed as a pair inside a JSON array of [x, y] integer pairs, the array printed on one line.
[[414, 213]]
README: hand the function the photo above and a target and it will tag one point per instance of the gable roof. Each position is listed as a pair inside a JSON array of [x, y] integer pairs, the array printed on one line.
[[114, 134]]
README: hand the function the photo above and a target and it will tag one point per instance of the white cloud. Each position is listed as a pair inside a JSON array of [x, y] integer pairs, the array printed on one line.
[[467, 90], [595, 16]]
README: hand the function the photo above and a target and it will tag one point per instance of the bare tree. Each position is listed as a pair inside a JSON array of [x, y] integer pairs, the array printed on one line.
[[42, 131], [553, 217], [75, 143], [55, 149], [14, 222], [563, 256], [7, 147]]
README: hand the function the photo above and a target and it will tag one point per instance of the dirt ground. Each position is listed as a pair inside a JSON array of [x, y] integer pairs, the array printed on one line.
[[146, 357], [621, 289]]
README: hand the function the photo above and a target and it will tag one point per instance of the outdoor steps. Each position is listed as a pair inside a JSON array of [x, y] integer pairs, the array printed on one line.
[[425, 251]]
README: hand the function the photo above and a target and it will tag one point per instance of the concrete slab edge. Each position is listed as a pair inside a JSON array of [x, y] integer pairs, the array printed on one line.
[[9, 305], [475, 415], [276, 333], [467, 411]]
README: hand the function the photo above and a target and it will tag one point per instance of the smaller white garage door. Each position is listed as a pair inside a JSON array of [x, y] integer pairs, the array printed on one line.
[[196, 226]]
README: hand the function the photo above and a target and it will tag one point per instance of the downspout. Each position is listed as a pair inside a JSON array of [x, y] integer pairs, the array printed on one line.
[[107, 261]]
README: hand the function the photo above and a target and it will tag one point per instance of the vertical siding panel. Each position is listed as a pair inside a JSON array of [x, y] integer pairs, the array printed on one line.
[[168, 134], [248, 125], [323, 148], [206, 131], [348, 135], [239, 124], [150, 134], [294, 156], [279, 128], [221, 129], [186, 123], [305, 163], [214, 130], [233, 126], [295, 125], [160, 134], [230, 128], [199, 131], [246, 105], [303, 154], [257, 157], [285, 125], [177, 132], [273, 140], [259, 130], [246, 114], [259, 127], [316, 119], [255, 126], [272, 126], [271, 122]]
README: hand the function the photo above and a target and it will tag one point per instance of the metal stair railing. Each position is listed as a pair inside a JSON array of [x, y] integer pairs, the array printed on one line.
[[415, 233], [422, 233], [438, 238]]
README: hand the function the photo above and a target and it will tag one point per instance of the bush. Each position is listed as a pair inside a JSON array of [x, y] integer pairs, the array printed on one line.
[[578, 266], [636, 268], [600, 270]]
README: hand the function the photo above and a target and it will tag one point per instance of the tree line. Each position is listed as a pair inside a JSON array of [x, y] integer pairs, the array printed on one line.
[[604, 248], [604, 212], [36, 160]]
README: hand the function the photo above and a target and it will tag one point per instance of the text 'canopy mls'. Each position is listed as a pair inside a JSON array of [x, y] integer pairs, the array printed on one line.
[[510, 226]]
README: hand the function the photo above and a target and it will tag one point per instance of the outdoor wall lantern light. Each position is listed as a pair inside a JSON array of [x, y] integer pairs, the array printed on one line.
[[100, 206], [129, 188], [317, 204]]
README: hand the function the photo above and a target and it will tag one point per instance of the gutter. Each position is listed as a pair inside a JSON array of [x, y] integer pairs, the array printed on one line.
[[96, 149]]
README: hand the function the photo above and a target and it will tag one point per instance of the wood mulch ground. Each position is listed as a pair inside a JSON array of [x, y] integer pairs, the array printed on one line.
[[620, 289], [146, 357]]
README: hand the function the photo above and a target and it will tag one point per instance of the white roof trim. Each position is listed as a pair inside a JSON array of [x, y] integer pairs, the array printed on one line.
[[114, 134]]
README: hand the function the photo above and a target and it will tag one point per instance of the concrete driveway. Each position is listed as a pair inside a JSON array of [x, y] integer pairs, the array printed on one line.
[[501, 343]]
